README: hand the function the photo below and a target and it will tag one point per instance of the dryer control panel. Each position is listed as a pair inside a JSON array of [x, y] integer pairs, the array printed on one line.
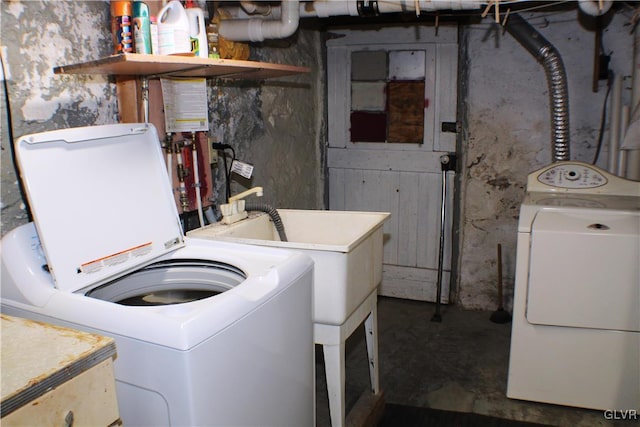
[[580, 178], [572, 175]]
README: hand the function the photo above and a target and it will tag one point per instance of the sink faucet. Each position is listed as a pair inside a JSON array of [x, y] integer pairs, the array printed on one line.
[[256, 190], [234, 210]]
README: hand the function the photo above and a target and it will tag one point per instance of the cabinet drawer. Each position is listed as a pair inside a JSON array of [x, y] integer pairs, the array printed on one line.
[[86, 399]]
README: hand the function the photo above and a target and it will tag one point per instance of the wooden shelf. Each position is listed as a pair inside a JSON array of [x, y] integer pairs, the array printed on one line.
[[133, 64]]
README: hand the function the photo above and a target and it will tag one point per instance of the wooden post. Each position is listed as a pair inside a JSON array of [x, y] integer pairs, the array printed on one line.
[[129, 90]]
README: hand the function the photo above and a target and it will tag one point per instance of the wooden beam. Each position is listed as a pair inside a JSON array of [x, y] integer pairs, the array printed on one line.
[[129, 99]]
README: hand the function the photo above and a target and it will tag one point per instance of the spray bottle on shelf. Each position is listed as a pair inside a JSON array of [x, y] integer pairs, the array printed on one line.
[[141, 27]]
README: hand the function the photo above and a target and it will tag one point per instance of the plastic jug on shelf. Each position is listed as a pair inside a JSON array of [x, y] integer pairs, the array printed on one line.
[[197, 32], [173, 30]]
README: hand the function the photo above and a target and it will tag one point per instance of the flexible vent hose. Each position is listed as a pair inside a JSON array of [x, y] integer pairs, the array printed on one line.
[[549, 57], [273, 213]]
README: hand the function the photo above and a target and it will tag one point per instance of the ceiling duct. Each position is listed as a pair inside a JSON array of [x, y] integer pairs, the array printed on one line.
[[549, 57]]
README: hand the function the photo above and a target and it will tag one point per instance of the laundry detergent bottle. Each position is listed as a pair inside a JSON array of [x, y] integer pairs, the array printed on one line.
[[173, 30], [197, 32]]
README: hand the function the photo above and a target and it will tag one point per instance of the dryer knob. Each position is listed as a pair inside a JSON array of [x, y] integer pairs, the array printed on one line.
[[572, 175]]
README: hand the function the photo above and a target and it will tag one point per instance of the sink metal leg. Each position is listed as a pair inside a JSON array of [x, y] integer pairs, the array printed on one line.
[[371, 333], [335, 372]]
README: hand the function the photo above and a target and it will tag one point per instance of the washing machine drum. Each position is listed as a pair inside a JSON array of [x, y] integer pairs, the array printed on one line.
[[170, 282]]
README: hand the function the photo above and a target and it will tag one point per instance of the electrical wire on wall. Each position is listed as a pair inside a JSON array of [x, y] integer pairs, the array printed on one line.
[[603, 119], [4, 77], [603, 70], [227, 169]]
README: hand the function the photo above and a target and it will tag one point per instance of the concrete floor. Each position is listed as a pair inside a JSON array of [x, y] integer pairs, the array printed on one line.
[[459, 364]]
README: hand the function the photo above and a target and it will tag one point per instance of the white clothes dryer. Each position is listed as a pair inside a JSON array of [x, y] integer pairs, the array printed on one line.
[[576, 318], [207, 333]]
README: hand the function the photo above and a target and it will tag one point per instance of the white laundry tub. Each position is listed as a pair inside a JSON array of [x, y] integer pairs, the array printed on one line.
[[345, 246]]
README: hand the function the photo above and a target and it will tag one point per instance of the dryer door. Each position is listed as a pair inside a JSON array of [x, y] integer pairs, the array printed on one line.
[[101, 200], [584, 269]]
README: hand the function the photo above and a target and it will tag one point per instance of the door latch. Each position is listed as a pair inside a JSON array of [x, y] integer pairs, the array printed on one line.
[[449, 127]]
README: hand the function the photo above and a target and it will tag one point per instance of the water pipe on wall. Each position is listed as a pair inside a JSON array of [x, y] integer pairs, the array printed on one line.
[[549, 57], [181, 173], [282, 21], [253, 8], [168, 146], [324, 9], [258, 29], [196, 178], [615, 127]]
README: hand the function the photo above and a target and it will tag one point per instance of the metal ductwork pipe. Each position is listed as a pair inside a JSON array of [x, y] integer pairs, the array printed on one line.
[[549, 57]]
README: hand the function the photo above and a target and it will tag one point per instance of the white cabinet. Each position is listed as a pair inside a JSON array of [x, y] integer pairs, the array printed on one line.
[[55, 376]]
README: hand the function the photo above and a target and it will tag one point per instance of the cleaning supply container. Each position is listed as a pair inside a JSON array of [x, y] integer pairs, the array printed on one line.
[[121, 28], [197, 32], [141, 27], [173, 30]]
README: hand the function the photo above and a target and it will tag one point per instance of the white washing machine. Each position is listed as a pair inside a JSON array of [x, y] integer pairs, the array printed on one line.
[[576, 318], [207, 333]]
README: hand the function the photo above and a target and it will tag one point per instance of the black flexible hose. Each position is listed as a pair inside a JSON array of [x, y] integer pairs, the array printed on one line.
[[273, 213]]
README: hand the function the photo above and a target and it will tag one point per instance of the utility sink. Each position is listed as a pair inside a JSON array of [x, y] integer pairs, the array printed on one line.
[[345, 246]]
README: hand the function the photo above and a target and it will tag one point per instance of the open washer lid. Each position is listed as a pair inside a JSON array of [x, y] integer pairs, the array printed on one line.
[[101, 200]]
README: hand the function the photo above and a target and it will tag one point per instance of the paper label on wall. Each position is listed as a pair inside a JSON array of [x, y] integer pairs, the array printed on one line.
[[242, 169], [185, 104]]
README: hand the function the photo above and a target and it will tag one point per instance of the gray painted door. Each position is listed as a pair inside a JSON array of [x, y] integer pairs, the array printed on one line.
[[403, 178]]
